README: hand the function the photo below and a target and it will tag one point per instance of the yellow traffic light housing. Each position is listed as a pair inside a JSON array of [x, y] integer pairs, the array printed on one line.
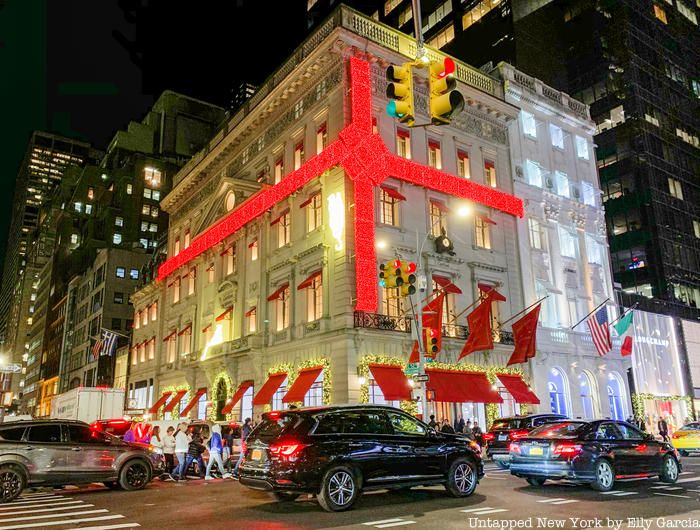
[[390, 274], [400, 90], [445, 100]]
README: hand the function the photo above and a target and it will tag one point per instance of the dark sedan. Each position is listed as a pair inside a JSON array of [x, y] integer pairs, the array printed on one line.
[[594, 452], [337, 452]]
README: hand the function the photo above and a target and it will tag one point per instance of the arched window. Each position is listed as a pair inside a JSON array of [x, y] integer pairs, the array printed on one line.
[[586, 388], [558, 392], [615, 396]]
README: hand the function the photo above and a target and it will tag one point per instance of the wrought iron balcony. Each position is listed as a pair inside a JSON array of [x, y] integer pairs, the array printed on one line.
[[384, 322]]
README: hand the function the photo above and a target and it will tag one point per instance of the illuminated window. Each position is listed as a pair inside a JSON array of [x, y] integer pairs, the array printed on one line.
[[687, 12], [152, 176], [314, 213], [283, 307], [298, 155], [186, 341], [298, 109], [74, 239], [490, 173], [137, 319], [88, 209], [314, 300], [557, 136], [405, 16], [438, 218], [675, 188], [254, 250], [283, 229], [434, 157], [129, 189], [589, 194], [142, 352], [230, 260], [568, 243], [91, 193], [152, 349], [279, 170], [581, 148], [252, 317], [482, 236], [79, 207], [144, 317], [389, 5], [463, 168], [154, 311], [388, 209], [192, 280], [529, 124], [120, 272], [403, 143], [537, 234], [660, 13], [696, 228], [118, 221], [594, 251], [134, 356], [211, 272], [176, 247], [187, 236], [321, 138], [478, 11], [562, 181], [443, 37], [391, 303], [533, 173], [176, 291]]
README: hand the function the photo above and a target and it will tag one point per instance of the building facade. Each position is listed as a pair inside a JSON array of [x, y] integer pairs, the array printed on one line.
[[270, 295]]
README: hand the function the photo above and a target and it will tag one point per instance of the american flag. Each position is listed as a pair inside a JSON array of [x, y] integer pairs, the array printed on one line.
[[600, 331]]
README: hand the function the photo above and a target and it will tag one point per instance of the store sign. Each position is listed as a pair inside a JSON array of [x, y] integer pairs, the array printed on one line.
[[12, 368]]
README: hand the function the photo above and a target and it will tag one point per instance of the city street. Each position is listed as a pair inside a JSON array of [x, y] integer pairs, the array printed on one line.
[[500, 500]]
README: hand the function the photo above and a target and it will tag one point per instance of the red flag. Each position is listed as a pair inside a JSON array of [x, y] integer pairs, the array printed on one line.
[[490, 290], [525, 336], [480, 334], [432, 318], [626, 348]]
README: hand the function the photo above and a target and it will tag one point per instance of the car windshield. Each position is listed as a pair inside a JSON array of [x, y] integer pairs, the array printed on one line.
[[564, 429], [691, 427], [506, 424]]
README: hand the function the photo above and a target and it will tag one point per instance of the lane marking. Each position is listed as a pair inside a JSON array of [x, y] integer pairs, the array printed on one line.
[[672, 495], [625, 493], [470, 510], [67, 521], [569, 501], [494, 510], [32, 510], [554, 499], [399, 523], [35, 505], [50, 515], [372, 523], [689, 479], [106, 527], [667, 488], [611, 492]]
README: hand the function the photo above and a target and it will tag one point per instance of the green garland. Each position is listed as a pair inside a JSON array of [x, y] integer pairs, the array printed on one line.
[[293, 372], [215, 385], [175, 413], [638, 402]]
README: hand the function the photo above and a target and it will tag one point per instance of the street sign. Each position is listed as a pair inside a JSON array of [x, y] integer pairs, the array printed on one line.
[[412, 369], [418, 378], [12, 368]]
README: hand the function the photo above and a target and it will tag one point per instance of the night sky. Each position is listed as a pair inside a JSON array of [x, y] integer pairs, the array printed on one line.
[[85, 68]]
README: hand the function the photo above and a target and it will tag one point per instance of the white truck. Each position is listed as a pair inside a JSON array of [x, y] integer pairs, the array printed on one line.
[[88, 404]]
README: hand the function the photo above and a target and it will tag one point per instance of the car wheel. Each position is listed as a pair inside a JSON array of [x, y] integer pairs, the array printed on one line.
[[134, 475], [12, 481], [281, 496], [683, 452], [604, 476], [339, 489], [536, 481], [461, 478], [502, 465], [669, 470]]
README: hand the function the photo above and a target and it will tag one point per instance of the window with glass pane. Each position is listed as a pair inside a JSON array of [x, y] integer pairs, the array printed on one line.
[[154, 311], [404, 424], [533, 172], [254, 250], [172, 348], [391, 302], [482, 237], [568, 243], [581, 148], [283, 230], [321, 138], [314, 300], [490, 173], [283, 307], [675, 188], [252, 320], [463, 168], [594, 251], [388, 209], [588, 194], [314, 397], [192, 279], [144, 317], [562, 181], [230, 260], [277, 403], [434, 156], [438, 218], [176, 247], [403, 143], [279, 170], [314, 213], [45, 433], [176, 291], [557, 136], [537, 234], [529, 124], [298, 155]]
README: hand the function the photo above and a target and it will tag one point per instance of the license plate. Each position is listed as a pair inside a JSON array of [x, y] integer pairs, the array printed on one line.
[[502, 437], [536, 451], [256, 454]]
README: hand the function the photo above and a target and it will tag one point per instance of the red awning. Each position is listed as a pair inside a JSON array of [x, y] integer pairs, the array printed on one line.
[[309, 281], [301, 384], [433, 144], [265, 394], [228, 250], [250, 311], [454, 386], [393, 193], [193, 402], [308, 201], [186, 329], [446, 284], [491, 289], [175, 400], [403, 133], [279, 217], [392, 381], [278, 292], [486, 219], [518, 389], [225, 314], [252, 243], [158, 404], [169, 337], [242, 388], [440, 206]]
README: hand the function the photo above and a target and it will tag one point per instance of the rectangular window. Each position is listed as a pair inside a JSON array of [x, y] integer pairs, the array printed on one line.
[[151, 348], [187, 235], [314, 300], [118, 298], [254, 250], [176, 247], [321, 138], [142, 352], [463, 168], [696, 228], [568, 243], [154, 311], [118, 221], [490, 173], [533, 173], [283, 307], [314, 213], [144, 226], [152, 176], [298, 155], [438, 217], [147, 193], [134, 356], [211, 272], [403, 143], [252, 317], [129, 189], [675, 188], [557, 136], [172, 347], [388, 209], [176, 291], [137, 319], [283, 230], [562, 181], [186, 342], [79, 207], [581, 148], [389, 6], [134, 274], [529, 124], [537, 234], [594, 251], [230, 260], [434, 156], [279, 170], [121, 272], [573, 311], [144, 317], [88, 209], [588, 194], [192, 280], [391, 302], [443, 37], [405, 16], [482, 237], [117, 238]]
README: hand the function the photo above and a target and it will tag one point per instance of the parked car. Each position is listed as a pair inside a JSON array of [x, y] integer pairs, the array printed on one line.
[[115, 427], [505, 430], [60, 452], [336, 452], [687, 438], [594, 452]]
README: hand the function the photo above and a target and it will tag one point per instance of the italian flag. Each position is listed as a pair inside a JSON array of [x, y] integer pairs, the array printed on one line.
[[624, 329]]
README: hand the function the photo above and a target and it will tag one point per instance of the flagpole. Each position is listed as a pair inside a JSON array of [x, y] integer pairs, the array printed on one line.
[[482, 297], [589, 314], [625, 312], [500, 324]]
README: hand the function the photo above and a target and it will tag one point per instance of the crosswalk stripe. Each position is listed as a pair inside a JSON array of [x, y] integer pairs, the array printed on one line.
[[50, 515], [107, 527], [398, 523], [625, 493], [494, 510], [672, 495], [32, 510], [552, 500], [611, 492], [38, 496], [372, 523], [63, 522], [689, 479], [60, 502], [470, 510], [569, 501]]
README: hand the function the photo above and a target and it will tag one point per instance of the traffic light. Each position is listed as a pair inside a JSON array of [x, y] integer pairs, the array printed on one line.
[[400, 90], [408, 277], [432, 341], [389, 274], [445, 100]]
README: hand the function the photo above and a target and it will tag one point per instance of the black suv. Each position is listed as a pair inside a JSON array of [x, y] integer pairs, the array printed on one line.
[[505, 430], [336, 452]]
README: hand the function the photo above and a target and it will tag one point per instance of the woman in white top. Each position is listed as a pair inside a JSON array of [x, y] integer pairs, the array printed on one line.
[[169, 449], [156, 442]]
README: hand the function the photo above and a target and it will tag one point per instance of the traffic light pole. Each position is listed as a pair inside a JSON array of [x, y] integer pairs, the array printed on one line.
[[418, 326], [418, 28]]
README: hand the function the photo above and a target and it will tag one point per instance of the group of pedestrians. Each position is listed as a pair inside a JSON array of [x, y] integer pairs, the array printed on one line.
[[459, 427]]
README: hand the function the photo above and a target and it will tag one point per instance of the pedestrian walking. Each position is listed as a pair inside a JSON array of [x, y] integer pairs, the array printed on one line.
[[195, 450], [216, 446], [663, 429], [459, 425], [446, 427], [181, 446], [245, 431], [478, 435], [169, 451], [432, 423], [156, 441]]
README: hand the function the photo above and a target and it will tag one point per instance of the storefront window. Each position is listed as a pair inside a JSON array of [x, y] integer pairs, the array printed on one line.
[[277, 403], [314, 397], [587, 396], [558, 392], [615, 400]]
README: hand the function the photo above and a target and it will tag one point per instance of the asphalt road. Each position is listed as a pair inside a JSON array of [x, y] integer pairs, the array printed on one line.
[[500, 501]]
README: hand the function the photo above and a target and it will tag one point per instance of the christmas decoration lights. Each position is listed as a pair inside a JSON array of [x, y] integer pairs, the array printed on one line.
[[367, 161], [175, 413], [215, 397]]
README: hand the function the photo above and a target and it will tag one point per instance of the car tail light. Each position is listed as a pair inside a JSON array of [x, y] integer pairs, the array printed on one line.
[[514, 448], [516, 435], [676, 435], [567, 450], [489, 436], [288, 449]]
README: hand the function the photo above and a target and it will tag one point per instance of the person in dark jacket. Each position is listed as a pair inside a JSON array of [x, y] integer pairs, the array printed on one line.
[[432, 423], [245, 431], [459, 424], [478, 435], [195, 450], [446, 427], [663, 429]]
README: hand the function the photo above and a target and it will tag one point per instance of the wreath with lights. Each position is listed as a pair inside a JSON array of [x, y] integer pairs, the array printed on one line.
[[222, 375]]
